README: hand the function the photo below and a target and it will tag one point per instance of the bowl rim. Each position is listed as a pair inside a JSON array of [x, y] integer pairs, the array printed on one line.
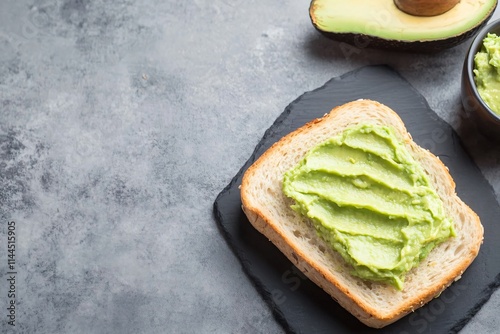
[[473, 49]]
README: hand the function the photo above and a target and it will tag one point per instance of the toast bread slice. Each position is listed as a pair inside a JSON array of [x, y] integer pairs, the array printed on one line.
[[374, 304]]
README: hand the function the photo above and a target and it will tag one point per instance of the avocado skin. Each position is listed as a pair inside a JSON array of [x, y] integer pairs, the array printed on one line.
[[362, 41]]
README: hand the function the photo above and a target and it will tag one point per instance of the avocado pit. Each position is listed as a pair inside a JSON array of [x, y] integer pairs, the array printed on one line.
[[425, 7]]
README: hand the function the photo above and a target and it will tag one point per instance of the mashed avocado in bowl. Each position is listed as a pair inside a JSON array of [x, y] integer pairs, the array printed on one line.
[[487, 71]]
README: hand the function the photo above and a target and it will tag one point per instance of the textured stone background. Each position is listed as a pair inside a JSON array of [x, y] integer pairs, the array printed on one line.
[[121, 121]]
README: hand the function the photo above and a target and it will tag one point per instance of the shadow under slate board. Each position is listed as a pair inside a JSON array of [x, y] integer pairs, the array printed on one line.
[[297, 303]]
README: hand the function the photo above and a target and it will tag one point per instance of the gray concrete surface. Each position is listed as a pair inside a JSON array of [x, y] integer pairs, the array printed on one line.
[[121, 121]]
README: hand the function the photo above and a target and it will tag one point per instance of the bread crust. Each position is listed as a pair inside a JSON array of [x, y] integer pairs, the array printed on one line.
[[374, 304]]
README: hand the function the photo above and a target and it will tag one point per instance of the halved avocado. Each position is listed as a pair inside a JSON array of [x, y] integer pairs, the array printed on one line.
[[381, 24]]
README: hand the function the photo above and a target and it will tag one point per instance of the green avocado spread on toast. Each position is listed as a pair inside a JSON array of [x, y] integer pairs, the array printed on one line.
[[369, 199]]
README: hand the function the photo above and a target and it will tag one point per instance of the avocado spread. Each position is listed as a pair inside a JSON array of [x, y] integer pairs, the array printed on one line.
[[370, 201], [487, 72]]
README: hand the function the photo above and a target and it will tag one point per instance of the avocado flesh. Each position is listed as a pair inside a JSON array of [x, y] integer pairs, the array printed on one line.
[[382, 19]]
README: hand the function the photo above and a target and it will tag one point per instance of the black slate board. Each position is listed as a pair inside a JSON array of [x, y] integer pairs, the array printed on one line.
[[298, 304]]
